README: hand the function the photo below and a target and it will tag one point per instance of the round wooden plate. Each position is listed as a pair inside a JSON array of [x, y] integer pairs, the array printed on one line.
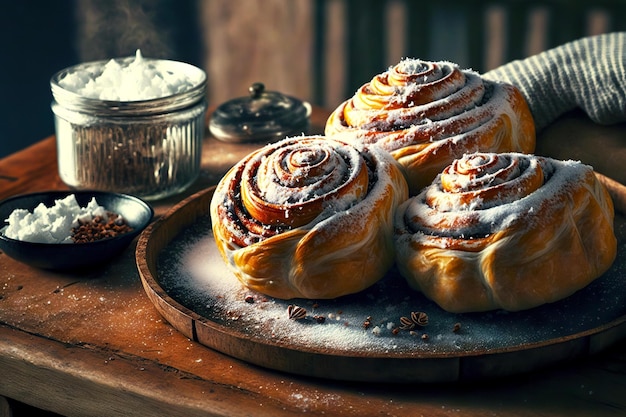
[[359, 338]]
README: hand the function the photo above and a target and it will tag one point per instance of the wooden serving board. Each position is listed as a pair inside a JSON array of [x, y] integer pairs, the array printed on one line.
[[188, 283]]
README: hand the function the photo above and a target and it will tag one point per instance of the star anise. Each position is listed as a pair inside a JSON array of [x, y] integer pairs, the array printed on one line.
[[417, 318], [296, 312]]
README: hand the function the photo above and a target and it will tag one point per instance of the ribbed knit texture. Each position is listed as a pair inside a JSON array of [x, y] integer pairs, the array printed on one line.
[[589, 73]]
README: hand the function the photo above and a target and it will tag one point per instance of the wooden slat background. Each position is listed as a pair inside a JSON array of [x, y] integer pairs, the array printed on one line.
[[279, 41], [322, 50], [248, 41], [316, 50]]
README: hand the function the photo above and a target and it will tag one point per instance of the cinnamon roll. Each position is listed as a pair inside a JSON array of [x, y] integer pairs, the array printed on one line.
[[426, 114], [505, 231], [309, 217]]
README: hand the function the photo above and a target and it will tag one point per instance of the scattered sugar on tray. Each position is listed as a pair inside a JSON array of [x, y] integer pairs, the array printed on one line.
[[343, 330], [138, 80], [191, 270], [51, 224]]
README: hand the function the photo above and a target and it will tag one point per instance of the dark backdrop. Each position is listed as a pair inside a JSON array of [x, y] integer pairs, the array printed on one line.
[[40, 37], [36, 40]]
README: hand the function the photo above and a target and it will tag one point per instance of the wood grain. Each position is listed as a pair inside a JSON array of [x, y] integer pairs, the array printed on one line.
[[19, 174], [5, 407]]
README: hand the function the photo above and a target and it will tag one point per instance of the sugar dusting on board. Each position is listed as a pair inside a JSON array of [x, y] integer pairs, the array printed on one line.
[[191, 271]]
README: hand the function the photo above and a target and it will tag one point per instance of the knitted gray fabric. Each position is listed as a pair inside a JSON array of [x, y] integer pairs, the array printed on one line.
[[589, 73]]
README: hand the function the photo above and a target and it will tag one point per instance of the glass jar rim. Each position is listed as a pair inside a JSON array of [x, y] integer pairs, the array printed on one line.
[[77, 102]]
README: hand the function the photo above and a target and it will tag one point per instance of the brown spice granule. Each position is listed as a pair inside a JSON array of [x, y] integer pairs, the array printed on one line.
[[99, 228], [249, 299], [456, 328], [320, 319]]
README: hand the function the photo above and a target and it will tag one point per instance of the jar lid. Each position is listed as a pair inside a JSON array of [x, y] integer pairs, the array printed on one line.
[[263, 116]]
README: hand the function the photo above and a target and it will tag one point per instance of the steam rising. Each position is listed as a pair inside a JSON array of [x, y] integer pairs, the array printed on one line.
[[118, 28]]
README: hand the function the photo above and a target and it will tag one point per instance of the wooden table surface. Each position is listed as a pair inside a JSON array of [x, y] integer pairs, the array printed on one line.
[[93, 344]]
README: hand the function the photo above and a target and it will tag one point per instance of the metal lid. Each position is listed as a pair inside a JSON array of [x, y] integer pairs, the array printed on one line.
[[263, 116]]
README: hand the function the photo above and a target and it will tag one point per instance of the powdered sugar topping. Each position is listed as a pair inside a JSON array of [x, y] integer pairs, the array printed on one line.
[[479, 208]]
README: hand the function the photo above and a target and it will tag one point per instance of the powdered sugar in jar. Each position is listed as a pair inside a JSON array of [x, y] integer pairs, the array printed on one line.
[[132, 125]]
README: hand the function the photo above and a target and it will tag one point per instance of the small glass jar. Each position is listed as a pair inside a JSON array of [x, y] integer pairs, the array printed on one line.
[[149, 148]]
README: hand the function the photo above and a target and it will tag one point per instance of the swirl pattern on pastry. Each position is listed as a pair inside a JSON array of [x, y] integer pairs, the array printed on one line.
[[308, 217], [505, 231], [427, 114]]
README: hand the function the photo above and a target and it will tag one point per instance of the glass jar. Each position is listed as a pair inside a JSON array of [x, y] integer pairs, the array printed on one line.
[[149, 148]]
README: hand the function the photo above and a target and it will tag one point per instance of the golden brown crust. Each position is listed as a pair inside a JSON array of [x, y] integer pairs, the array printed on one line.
[[309, 217], [506, 250], [426, 114]]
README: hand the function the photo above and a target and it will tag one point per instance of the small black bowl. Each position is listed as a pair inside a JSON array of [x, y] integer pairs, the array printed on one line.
[[70, 256]]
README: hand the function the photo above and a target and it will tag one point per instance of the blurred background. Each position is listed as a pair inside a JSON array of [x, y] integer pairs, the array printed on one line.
[[320, 51]]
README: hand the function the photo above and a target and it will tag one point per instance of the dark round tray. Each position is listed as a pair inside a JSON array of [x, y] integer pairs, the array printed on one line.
[[187, 281]]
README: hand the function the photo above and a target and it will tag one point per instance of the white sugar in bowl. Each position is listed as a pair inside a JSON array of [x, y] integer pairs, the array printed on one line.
[[130, 125]]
